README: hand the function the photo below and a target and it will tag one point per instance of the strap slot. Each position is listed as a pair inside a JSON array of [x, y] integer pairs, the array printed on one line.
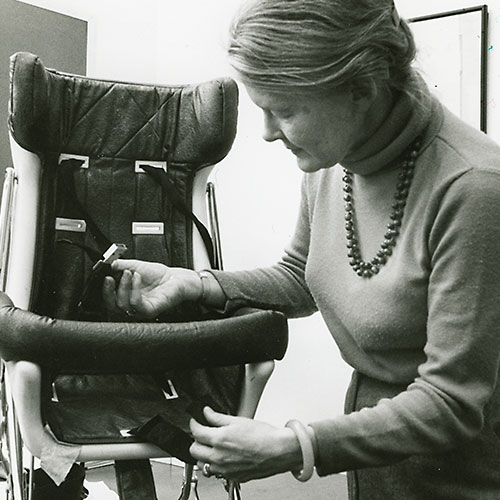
[[68, 156], [73, 225], [155, 164], [148, 228]]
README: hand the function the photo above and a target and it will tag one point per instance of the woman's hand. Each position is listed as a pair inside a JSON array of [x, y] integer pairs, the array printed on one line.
[[242, 449], [149, 289]]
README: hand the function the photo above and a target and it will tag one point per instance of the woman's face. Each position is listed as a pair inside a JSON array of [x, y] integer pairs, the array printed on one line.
[[320, 132]]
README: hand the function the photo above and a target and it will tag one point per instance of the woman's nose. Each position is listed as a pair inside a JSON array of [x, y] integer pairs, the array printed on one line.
[[271, 131]]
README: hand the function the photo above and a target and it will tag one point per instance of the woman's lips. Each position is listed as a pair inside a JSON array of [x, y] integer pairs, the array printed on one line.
[[295, 150]]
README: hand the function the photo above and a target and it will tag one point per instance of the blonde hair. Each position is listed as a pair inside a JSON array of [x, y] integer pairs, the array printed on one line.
[[301, 46]]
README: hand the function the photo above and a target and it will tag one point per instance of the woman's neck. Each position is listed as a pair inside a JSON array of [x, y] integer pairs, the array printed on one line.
[[393, 122]]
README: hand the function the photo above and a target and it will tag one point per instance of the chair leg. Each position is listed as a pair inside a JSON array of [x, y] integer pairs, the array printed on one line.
[[189, 485], [134, 479]]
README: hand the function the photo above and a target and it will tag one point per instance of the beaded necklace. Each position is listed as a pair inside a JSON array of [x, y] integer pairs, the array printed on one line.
[[367, 269]]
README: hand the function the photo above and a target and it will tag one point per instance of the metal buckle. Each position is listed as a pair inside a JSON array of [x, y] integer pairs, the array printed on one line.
[[54, 397], [173, 393], [114, 252]]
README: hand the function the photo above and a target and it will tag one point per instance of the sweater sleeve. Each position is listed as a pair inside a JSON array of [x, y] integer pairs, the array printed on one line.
[[445, 404], [281, 287]]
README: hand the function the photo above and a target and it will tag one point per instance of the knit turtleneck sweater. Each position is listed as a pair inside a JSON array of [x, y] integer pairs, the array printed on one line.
[[429, 321]]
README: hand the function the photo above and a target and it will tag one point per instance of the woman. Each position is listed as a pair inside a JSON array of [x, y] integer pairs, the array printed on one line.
[[396, 246]]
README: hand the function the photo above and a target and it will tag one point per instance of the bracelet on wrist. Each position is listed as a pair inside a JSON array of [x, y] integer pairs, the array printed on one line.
[[306, 447], [204, 277]]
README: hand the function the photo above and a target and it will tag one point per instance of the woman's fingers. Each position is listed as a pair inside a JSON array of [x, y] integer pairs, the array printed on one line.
[[124, 290], [216, 419], [201, 452], [109, 293], [208, 434], [123, 264], [203, 434], [136, 291]]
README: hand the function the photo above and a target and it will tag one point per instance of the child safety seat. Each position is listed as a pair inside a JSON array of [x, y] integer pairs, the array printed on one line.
[[104, 169]]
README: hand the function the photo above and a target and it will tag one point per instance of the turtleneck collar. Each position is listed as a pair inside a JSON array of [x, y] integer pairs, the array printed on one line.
[[407, 119]]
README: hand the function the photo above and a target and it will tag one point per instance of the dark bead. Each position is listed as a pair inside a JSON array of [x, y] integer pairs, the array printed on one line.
[[368, 269]]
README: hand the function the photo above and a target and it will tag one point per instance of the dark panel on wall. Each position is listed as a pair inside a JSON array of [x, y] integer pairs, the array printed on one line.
[[59, 40]]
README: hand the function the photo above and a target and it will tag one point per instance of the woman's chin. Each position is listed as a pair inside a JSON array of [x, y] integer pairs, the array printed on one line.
[[308, 164]]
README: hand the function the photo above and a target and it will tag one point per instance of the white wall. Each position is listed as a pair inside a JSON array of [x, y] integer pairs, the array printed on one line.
[[411, 8], [169, 41], [122, 36]]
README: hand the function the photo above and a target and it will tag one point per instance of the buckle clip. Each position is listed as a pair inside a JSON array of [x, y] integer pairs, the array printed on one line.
[[173, 393], [114, 252]]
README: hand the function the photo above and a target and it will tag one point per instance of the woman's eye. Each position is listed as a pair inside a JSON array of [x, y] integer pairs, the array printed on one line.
[[284, 115]]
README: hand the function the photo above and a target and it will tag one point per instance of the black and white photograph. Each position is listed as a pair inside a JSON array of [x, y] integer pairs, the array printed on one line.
[[249, 250]]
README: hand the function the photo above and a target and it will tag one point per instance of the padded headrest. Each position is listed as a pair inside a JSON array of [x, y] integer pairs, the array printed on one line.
[[190, 125]]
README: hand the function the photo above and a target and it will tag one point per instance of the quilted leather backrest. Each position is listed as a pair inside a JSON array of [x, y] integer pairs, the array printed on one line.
[[109, 198], [54, 112]]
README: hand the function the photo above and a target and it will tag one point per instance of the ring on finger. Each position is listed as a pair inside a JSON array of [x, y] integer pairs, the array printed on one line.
[[206, 470], [130, 312]]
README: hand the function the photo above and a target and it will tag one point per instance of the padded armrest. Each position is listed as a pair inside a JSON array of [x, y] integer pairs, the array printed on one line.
[[66, 346]]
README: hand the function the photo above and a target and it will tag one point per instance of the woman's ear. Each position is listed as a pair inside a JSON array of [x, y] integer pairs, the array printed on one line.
[[364, 94]]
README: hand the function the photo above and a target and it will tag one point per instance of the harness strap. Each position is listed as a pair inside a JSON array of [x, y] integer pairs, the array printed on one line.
[[93, 255], [161, 177], [68, 183]]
